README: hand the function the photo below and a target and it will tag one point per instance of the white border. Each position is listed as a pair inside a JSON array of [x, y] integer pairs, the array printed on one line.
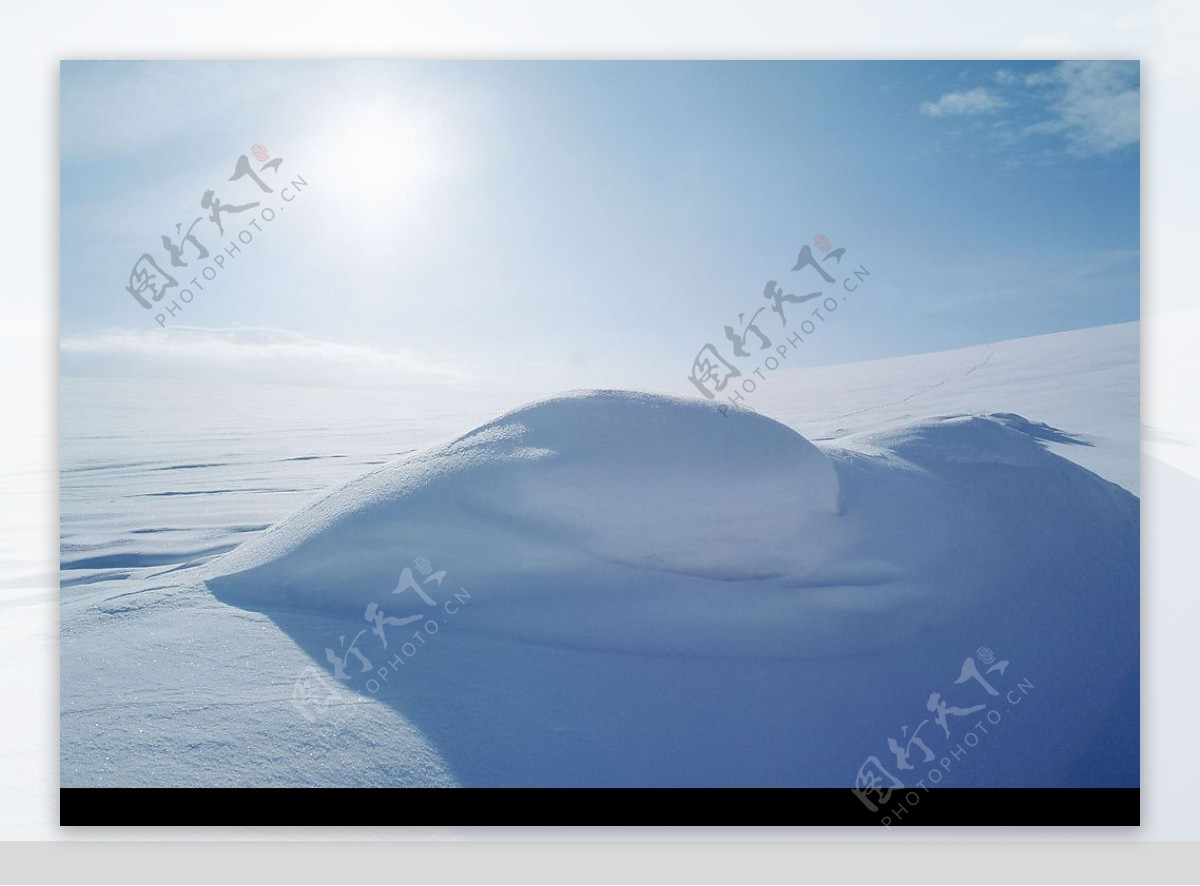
[[1164, 35]]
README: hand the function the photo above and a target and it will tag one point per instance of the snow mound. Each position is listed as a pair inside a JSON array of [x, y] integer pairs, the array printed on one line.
[[641, 480], [639, 523]]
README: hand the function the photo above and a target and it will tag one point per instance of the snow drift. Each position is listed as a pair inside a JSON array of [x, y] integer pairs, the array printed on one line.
[[659, 595], [636, 523]]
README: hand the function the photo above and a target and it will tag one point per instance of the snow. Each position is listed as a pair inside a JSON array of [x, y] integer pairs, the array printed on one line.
[[638, 589], [608, 487], [1085, 382]]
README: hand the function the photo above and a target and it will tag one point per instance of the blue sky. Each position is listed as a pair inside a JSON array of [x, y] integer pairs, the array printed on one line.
[[588, 224]]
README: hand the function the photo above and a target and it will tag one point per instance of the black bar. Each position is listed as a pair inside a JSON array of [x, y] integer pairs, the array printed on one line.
[[597, 807]]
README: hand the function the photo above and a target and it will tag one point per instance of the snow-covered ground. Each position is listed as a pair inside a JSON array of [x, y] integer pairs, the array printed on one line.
[[1084, 383], [609, 588]]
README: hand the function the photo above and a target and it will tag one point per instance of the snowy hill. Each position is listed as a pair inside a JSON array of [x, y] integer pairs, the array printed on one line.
[[1085, 382], [614, 588]]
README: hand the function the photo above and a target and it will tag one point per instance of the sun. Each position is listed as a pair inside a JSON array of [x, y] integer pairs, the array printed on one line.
[[377, 155]]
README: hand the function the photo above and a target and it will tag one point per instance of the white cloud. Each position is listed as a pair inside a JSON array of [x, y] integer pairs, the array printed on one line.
[[973, 101], [1094, 105], [274, 355]]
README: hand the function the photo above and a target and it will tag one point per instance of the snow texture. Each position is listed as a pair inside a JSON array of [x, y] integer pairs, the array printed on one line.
[[645, 590]]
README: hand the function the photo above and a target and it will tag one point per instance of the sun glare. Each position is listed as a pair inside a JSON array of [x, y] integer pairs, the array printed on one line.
[[379, 156]]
